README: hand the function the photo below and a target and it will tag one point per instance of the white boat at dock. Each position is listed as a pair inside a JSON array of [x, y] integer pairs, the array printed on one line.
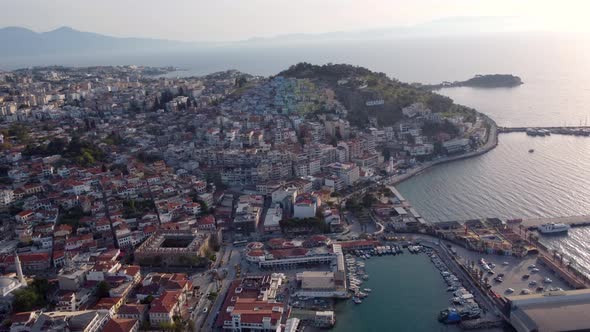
[[553, 228], [361, 295]]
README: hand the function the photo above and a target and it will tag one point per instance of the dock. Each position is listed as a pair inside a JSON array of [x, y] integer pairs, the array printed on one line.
[[481, 324], [572, 221], [563, 130], [517, 236]]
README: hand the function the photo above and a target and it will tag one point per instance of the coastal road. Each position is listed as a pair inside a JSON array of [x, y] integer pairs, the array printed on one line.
[[231, 258], [491, 143]]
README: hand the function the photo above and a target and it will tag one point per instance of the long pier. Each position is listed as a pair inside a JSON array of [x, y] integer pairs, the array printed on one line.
[[573, 221], [563, 130]]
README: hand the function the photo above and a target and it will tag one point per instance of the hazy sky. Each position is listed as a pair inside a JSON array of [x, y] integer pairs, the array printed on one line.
[[241, 19]]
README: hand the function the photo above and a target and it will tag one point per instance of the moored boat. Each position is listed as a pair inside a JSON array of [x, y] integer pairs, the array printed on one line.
[[553, 228]]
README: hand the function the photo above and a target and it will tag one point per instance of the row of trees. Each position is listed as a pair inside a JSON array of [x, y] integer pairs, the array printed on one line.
[[136, 209], [433, 128], [356, 204], [72, 217], [80, 152]]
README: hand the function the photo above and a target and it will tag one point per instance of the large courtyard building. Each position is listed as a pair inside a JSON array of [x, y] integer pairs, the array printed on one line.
[[170, 248]]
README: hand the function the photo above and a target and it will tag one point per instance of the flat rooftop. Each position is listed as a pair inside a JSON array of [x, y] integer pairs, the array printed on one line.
[[549, 318], [563, 311]]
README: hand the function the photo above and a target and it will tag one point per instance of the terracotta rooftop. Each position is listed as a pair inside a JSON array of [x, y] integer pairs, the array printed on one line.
[[119, 325]]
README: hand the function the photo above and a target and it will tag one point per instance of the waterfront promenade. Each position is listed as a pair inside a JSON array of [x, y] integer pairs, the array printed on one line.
[[491, 143]]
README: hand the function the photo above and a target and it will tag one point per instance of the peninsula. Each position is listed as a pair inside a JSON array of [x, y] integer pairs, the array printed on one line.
[[481, 81]]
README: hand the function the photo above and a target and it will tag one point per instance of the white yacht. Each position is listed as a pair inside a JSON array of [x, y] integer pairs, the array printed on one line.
[[553, 228]]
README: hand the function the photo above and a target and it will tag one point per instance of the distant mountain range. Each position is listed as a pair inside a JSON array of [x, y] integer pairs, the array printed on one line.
[[18, 41], [444, 27]]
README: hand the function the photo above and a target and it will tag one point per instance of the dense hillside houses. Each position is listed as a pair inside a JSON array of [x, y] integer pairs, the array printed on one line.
[[124, 196]]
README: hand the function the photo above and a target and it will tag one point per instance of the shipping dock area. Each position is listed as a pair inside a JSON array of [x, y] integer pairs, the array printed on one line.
[[485, 262], [515, 237]]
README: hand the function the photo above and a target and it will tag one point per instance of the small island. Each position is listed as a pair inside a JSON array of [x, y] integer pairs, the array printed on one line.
[[481, 81]]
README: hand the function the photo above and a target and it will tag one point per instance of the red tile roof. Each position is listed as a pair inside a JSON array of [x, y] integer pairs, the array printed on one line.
[[358, 243], [29, 257], [207, 220], [165, 303], [250, 308], [107, 303], [119, 325], [21, 317], [25, 213], [132, 309], [284, 253]]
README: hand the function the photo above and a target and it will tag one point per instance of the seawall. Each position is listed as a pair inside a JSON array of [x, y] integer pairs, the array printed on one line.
[[490, 144]]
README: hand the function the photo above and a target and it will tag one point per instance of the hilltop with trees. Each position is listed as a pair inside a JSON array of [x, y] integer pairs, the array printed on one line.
[[355, 86]]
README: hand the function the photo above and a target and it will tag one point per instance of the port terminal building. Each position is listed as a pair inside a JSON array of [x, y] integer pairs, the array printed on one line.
[[551, 311]]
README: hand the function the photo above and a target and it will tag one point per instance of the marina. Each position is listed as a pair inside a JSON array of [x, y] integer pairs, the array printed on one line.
[[407, 294], [464, 308], [356, 274]]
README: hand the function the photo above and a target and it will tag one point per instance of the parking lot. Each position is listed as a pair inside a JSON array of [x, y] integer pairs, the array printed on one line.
[[513, 271]]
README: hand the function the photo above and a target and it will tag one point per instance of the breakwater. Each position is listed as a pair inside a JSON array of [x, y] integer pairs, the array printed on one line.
[[534, 131]]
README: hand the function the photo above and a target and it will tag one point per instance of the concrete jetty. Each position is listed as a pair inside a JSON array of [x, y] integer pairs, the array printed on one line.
[[573, 221], [563, 130]]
